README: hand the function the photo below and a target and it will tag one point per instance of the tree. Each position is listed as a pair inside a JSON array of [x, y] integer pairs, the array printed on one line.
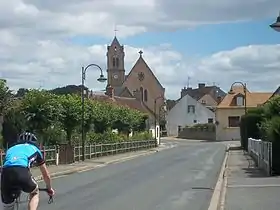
[[126, 119], [5, 96], [71, 114], [14, 123], [103, 114], [41, 110], [21, 92]]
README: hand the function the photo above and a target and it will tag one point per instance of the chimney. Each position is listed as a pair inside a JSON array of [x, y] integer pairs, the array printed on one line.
[[110, 91], [137, 94], [201, 85], [185, 91]]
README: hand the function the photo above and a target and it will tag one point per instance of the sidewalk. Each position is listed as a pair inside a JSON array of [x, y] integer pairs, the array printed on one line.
[[89, 164], [248, 188]]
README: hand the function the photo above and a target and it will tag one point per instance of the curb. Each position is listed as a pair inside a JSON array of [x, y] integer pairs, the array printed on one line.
[[87, 168], [219, 188]]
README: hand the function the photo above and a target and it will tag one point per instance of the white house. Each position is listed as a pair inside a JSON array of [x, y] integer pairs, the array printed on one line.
[[187, 111]]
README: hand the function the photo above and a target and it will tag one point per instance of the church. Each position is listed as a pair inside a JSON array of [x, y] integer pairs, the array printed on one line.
[[140, 83]]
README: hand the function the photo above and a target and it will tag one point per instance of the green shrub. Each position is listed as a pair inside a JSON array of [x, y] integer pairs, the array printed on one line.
[[138, 136], [249, 128]]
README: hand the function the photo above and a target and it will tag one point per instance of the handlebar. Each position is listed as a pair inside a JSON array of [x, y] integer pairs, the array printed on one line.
[[47, 191]]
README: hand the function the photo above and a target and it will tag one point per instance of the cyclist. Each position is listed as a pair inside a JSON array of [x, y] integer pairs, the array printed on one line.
[[16, 175]]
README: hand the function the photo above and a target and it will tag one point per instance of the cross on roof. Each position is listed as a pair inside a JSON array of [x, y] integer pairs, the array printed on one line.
[[140, 52], [116, 30]]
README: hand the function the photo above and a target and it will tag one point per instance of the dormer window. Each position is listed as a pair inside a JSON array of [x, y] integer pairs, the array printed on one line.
[[239, 100]]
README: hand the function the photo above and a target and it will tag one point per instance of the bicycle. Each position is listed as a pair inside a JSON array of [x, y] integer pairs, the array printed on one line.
[[18, 195]]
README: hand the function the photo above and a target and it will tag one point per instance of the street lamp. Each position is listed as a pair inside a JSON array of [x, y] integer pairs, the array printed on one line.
[[100, 79], [276, 25], [155, 114]]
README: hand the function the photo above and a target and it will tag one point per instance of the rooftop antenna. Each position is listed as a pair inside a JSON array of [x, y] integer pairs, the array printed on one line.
[[188, 85]]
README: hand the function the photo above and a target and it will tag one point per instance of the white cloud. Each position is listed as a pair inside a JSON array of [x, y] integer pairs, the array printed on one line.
[[88, 17], [33, 53]]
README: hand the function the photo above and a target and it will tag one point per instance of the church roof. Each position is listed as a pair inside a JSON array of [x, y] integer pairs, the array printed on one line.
[[132, 103], [115, 42], [141, 60]]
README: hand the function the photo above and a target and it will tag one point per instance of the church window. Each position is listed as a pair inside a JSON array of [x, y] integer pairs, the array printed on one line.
[[146, 95], [114, 61], [142, 93], [117, 62]]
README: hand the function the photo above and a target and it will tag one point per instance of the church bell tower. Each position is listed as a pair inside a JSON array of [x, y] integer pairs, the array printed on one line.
[[115, 64]]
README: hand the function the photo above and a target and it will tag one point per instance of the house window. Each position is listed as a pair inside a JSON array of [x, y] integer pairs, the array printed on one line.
[[191, 109], [145, 95], [194, 121], [203, 102], [239, 100], [210, 120], [233, 121]]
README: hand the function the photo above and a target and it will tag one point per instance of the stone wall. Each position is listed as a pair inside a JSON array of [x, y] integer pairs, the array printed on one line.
[[198, 133]]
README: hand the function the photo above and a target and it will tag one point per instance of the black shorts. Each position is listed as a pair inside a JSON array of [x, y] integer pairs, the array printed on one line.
[[13, 181]]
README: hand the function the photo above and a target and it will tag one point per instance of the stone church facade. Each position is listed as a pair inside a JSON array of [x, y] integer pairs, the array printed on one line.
[[139, 83]]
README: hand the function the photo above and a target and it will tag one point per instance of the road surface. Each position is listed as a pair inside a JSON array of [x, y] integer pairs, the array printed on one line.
[[175, 179]]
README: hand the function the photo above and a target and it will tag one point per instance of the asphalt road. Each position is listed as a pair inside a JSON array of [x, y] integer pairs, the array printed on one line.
[[175, 179]]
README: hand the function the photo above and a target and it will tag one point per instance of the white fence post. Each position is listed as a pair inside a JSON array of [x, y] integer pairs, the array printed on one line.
[[57, 155], [261, 152]]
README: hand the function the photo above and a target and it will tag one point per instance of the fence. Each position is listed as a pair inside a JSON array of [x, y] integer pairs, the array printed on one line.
[[51, 153], [261, 152], [97, 150]]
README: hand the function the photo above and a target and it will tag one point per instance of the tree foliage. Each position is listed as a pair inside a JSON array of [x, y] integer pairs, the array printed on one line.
[[52, 116], [71, 112], [263, 122], [41, 110], [5, 96]]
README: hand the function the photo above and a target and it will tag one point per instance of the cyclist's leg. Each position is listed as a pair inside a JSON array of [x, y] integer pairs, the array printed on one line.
[[8, 192], [29, 185]]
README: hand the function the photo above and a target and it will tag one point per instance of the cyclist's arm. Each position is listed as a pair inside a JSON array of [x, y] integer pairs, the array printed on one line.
[[46, 175], [43, 168]]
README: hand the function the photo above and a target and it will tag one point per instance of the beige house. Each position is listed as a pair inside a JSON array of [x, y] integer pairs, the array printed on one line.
[[231, 108]]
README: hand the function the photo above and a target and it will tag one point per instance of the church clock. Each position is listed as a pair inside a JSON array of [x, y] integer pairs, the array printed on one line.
[[116, 76]]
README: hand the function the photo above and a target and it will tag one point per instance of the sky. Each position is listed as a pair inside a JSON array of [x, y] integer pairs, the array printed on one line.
[[44, 43]]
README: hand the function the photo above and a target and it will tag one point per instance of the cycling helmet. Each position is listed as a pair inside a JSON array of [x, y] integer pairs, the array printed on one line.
[[27, 137]]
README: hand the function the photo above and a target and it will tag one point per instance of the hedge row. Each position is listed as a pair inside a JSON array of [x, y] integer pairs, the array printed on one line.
[[58, 117], [263, 123]]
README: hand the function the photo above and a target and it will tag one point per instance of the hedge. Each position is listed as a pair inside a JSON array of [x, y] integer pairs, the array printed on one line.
[[249, 128], [56, 118], [264, 123]]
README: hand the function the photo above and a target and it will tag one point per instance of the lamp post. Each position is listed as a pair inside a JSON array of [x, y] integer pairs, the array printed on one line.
[[155, 112], [100, 79], [276, 25], [245, 98]]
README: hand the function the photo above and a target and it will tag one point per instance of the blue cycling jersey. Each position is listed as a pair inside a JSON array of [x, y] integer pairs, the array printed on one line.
[[23, 155]]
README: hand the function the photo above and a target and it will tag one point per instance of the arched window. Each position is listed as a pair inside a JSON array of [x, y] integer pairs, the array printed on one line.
[[114, 61], [142, 93], [145, 95], [117, 62]]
